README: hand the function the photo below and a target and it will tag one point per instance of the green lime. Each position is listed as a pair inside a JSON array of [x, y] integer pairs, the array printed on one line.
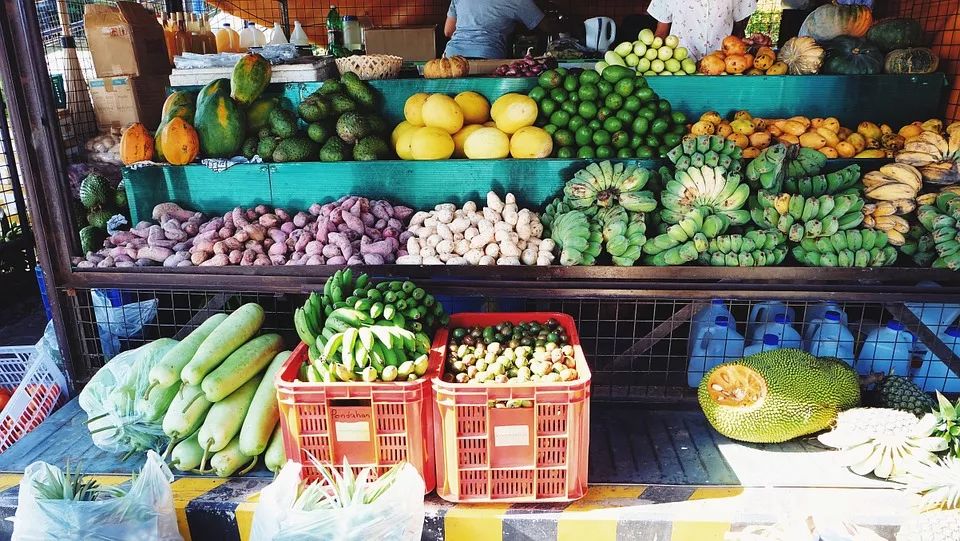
[[558, 95], [573, 98], [604, 152], [550, 128], [679, 129], [604, 113], [678, 117], [587, 109], [562, 72], [594, 125], [583, 136], [550, 79], [566, 152], [620, 139], [612, 124], [631, 103], [538, 93], [548, 106], [625, 116], [663, 106], [570, 83], [645, 152], [624, 87], [601, 137], [605, 88], [640, 125], [652, 141], [614, 101], [625, 153], [576, 122], [647, 113], [586, 153], [640, 82], [662, 150], [588, 92], [636, 141], [569, 107], [560, 118], [563, 137], [659, 126], [589, 77], [645, 94], [671, 139]]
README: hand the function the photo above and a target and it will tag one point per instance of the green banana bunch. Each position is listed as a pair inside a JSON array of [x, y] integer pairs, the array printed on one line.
[[941, 219], [684, 241], [578, 238], [371, 353], [754, 248], [606, 184], [807, 217], [338, 292], [706, 150], [624, 234], [708, 189], [852, 248], [768, 169], [919, 246], [831, 183], [807, 162]]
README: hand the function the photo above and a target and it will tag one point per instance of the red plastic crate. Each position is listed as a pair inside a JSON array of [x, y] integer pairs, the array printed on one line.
[[373, 425], [488, 454]]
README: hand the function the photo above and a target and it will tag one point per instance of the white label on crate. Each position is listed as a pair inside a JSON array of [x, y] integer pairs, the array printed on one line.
[[511, 436], [353, 431]]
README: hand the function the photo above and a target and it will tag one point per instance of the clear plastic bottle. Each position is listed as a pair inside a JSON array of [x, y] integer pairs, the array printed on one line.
[[228, 40], [886, 350], [277, 37], [934, 374], [209, 39], [829, 337], [352, 35], [259, 37], [720, 343], [182, 36], [780, 327], [298, 36], [248, 36], [196, 39], [169, 36], [769, 342]]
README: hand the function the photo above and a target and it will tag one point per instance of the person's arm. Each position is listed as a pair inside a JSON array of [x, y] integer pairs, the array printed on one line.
[[661, 11], [741, 14], [449, 26], [663, 30], [739, 27]]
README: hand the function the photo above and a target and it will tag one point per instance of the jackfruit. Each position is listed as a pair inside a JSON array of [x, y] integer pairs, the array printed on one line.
[[777, 395]]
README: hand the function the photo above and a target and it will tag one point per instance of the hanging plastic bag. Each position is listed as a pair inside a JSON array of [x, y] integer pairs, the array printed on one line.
[[119, 419], [394, 515], [116, 322], [144, 512]]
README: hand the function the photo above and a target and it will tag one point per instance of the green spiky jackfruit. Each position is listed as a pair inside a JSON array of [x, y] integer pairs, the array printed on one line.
[[777, 395]]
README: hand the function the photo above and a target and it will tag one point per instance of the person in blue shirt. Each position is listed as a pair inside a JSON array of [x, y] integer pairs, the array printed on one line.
[[481, 28]]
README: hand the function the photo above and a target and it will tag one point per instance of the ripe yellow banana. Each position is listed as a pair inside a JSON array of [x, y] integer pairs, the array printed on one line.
[[905, 206], [782, 204], [914, 158], [927, 199], [904, 173], [884, 208], [953, 143], [896, 238], [890, 192], [891, 223], [934, 139], [869, 221]]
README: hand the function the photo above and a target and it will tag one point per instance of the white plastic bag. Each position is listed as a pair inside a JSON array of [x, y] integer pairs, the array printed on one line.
[[146, 512], [116, 322], [397, 515]]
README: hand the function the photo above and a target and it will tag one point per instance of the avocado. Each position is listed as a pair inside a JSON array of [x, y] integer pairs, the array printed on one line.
[[319, 132], [378, 125], [314, 109], [283, 123], [342, 104], [266, 146], [359, 90], [351, 127], [334, 150], [370, 149], [294, 149], [330, 86], [249, 148]]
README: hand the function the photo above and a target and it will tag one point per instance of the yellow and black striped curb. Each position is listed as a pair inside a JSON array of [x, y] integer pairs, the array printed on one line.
[[211, 509]]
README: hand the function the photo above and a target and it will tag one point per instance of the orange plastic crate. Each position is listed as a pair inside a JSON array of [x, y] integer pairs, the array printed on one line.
[[373, 425], [487, 454]]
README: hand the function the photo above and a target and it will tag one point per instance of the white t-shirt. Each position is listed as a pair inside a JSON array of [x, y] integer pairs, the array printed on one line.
[[701, 25]]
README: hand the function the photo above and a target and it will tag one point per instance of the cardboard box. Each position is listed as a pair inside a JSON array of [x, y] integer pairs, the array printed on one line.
[[411, 43], [125, 40], [121, 101]]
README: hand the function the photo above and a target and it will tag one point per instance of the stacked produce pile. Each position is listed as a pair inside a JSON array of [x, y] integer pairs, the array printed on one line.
[[752, 56], [615, 114], [651, 55], [360, 332], [500, 233], [528, 66], [102, 202]]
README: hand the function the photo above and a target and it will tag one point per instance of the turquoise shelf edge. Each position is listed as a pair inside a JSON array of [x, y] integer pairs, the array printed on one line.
[[419, 185]]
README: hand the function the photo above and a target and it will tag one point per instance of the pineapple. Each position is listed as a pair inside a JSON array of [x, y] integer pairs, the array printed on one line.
[[899, 393], [948, 423]]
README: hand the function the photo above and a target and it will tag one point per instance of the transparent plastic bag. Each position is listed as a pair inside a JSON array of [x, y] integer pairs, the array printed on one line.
[[116, 322], [145, 512], [120, 421], [397, 515]]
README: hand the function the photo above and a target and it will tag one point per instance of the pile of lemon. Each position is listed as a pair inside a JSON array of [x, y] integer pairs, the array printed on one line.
[[438, 127]]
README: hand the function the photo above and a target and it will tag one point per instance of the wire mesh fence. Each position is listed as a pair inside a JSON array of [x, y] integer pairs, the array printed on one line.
[[638, 350]]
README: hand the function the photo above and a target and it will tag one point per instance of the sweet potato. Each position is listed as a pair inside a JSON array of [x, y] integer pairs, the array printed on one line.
[[219, 260], [154, 253]]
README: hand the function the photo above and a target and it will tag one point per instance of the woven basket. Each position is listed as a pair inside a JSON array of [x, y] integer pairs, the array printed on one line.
[[371, 66]]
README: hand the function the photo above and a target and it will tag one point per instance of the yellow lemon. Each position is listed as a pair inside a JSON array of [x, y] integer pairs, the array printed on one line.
[[531, 142], [413, 108], [401, 128], [404, 143], [487, 144], [430, 144], [476, 108], [490, 124], [460, 138], [442, 112], [514, 111]]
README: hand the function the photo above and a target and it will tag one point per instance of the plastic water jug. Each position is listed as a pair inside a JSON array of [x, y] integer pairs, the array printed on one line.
[[720, 343], [831, 338], [228, 40], [886, 350], [818, 311], [705, 319], [780, 327], [298, 36], [277, 37], [934, 375], [937, 316], [769, 342], [765, 312]]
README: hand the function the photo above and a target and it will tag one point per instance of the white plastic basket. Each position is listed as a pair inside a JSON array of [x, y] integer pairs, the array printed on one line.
[[38, 386]]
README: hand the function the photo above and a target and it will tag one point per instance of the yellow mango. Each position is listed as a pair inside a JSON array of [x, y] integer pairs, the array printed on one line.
[[869, 130], [812, 140], [829, 152], [831, 137], [794, 127]]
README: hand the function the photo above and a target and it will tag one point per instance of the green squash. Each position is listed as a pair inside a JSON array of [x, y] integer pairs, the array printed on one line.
[[914, 60], [220, 123], [259, 112], [847, 55], [899, 33], [833, 20], [251, 75]]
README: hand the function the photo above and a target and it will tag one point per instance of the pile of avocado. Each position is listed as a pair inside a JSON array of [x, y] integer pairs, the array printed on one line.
[[341, 122]]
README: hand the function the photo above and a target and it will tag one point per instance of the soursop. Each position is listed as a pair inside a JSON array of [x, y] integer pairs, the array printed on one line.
[[94, 190]]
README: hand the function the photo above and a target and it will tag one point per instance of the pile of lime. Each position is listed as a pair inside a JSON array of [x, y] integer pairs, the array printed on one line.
[[613, 115]]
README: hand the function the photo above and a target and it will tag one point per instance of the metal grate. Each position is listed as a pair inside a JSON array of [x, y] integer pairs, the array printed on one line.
[[638, 350]]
